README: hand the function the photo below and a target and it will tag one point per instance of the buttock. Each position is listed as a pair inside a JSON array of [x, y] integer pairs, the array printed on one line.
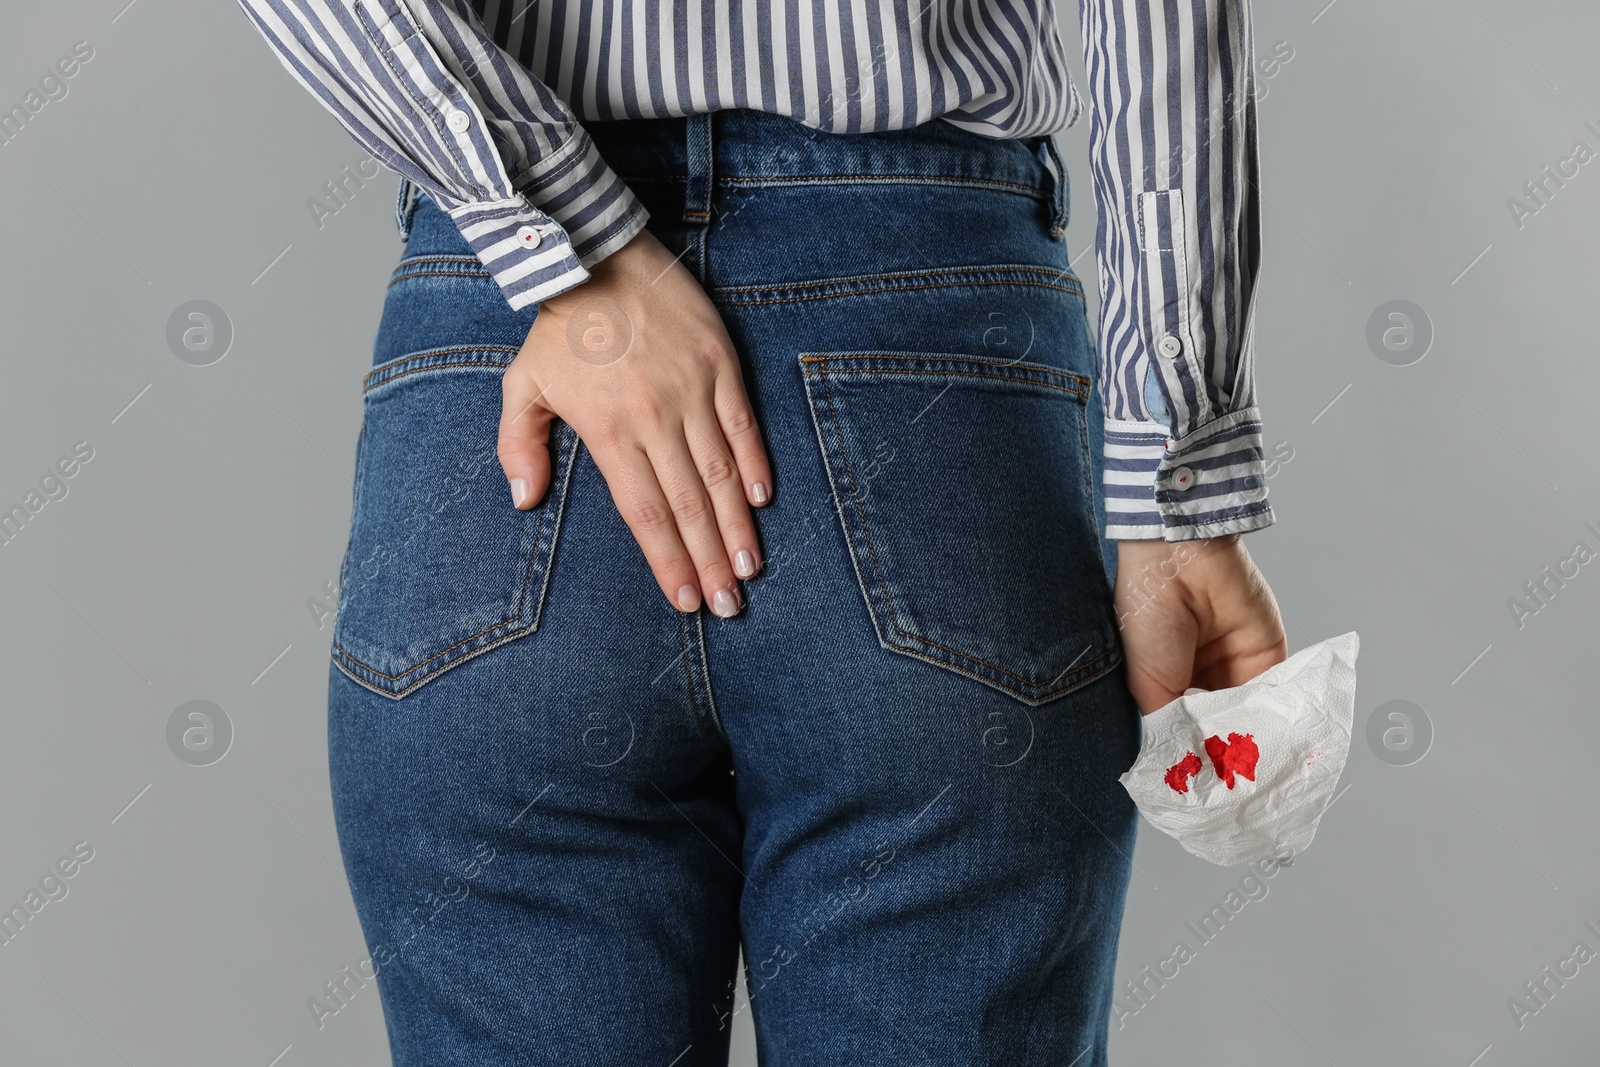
[[892, 778]]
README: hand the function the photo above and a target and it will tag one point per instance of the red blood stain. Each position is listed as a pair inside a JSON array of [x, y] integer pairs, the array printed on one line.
[[1179, 773], [1236, 755]]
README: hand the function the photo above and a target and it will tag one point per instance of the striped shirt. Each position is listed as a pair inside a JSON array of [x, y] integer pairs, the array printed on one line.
[[480, 103]]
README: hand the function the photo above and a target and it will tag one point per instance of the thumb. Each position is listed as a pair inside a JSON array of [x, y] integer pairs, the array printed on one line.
[[524, 442]]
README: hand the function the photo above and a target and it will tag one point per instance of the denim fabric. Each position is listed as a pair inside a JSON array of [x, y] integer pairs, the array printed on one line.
[[563, 806], [1154, 402]]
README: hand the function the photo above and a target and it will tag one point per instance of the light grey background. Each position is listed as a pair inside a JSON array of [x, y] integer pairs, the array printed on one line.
[[180, 564]]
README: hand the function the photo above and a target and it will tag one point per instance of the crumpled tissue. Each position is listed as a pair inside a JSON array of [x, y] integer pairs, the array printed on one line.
[[1242, 775]]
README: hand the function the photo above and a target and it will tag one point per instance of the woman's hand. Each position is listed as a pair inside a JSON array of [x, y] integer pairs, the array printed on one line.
[[637, 361], [1193, 614]]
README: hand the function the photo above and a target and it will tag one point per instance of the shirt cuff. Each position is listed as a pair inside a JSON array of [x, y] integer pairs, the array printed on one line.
[[1208, 483], [570, 212]]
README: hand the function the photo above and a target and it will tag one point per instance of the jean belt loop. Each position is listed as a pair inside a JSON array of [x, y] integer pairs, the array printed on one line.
[[1062, 207], [404, 205], [699, 179]]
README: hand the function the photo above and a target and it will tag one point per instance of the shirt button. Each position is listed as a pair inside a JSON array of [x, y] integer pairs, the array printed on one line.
[[1169, 346], [1182, 478], [528, 237], [458, 121]]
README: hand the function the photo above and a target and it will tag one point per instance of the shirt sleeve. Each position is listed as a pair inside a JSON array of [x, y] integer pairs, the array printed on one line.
[[423, 87], [1174, 167]]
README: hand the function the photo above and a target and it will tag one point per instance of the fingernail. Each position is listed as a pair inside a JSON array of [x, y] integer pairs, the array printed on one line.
[[759, 491], [724, 604], [519, 491], [744, 564], [688, 598]]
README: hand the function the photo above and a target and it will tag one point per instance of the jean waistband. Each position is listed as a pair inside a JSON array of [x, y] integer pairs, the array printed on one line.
[[745, 148]]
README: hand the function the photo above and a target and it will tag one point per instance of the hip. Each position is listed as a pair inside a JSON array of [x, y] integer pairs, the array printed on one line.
[[916, 350]]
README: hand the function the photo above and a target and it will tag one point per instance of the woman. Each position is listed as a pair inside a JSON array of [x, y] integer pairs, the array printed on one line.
[[766, 308]]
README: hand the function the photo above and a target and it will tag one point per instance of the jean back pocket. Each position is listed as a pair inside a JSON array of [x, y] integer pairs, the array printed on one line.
[[440, 566], [963, 486]]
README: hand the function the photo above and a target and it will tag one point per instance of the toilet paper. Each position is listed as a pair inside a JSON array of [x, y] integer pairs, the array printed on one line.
[[1243, 774]]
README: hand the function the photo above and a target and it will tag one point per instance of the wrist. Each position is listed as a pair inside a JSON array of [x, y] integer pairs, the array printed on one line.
[[1155, 548], [1171, 571]]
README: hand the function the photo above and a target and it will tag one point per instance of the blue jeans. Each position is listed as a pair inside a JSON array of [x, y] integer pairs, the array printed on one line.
[[563, 806]]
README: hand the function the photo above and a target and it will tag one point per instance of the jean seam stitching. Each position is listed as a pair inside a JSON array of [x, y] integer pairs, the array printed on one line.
[[865, 291], [705, 669], [1074, 393], [548, 529], [440, 257], [1039, 687], [957, 273], [778, 180], [951, 359], [430, 367], [433, 352], [688, 674], [465, 272], [516, 616]]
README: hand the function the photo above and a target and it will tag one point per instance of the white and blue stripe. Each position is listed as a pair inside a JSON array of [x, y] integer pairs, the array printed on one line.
[[480, 103]]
